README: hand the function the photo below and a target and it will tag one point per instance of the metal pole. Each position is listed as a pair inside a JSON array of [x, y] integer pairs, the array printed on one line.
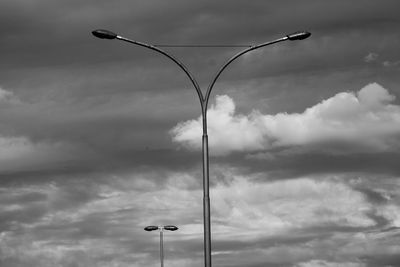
[[161, 247], [206, 201]]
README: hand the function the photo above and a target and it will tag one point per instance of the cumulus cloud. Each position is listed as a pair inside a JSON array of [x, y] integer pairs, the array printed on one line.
[[349, 121]]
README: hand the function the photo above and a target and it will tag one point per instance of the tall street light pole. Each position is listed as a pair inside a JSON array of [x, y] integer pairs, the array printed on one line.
[[161, 229], [300, 35]]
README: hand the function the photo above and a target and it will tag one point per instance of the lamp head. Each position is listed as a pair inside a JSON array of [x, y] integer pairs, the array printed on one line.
[[104, 34], [300, 35], [170, 227], [151, 228]]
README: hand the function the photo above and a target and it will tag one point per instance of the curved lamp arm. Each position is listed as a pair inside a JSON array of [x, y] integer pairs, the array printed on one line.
[[105, 34], [300, 35]]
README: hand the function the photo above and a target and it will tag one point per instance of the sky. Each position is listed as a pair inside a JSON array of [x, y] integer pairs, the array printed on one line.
[[101, 138]]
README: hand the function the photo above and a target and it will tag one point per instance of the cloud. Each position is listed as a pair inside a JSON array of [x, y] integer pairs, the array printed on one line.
[[100, 220], [14, 147], [228, 132], [7, 96], [281, 206], [4, 94], [388, 63], [322, 263], [347, 122], [371, 57], [19, 153], [97, 222]]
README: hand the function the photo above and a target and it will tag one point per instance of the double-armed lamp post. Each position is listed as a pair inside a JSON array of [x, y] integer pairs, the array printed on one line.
[[105, 34], [161, 229]]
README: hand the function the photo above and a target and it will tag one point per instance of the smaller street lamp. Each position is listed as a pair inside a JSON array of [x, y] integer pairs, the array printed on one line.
[[161, 229]]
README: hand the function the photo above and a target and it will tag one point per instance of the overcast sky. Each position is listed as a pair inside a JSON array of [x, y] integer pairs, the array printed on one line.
[[101, 138]]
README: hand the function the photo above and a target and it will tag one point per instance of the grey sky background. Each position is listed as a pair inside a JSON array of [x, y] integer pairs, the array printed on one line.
[[99, 138]]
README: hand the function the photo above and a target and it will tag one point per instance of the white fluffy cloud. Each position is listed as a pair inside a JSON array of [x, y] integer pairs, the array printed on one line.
[[276, 207], [362, 121]]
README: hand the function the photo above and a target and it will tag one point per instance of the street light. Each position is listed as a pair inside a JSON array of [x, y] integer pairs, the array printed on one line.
[[161, 229], [300, 35]]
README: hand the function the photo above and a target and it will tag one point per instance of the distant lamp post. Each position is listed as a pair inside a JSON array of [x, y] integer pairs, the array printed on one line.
[[161, 229], [300, 35]]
